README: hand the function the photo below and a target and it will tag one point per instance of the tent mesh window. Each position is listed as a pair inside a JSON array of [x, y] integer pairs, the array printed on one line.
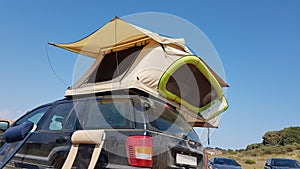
[[188, 83], [115, 64]]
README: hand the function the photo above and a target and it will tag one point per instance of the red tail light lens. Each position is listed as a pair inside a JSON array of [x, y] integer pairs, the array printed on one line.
[[139, 151]]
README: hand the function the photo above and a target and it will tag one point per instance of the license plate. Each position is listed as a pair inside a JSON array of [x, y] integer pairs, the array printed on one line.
[[186, 160]]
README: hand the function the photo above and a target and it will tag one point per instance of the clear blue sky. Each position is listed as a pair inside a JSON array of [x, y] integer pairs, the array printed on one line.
[[257, 41]]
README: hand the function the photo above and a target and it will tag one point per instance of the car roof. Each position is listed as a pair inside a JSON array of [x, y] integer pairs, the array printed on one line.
[[281, 159]]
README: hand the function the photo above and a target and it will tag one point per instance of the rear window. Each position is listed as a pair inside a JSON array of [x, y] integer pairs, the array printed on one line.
[[109, 114], [164, 119], [225, 161], [285, 163]]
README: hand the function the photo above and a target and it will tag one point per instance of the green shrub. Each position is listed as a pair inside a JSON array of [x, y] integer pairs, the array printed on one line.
[[297, 146], [283, 137], [241, 150], [254, 146], [230, 156], [280, 150], [248, 161], [267, 152], [289, 149]]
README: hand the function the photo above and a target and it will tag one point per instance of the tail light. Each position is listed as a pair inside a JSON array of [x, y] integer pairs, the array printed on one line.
[[139, 151]]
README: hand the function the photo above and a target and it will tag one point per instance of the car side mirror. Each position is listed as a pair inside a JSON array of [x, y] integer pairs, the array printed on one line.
[[4, 125], [17, 133]]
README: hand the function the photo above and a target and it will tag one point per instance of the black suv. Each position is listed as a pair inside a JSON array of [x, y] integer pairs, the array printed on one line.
[[140, 132]]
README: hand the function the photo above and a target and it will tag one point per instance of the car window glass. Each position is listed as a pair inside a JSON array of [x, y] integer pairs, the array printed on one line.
[[108, 114], [73, 121], [285, 163], [297, 164], [165, 120], [224, 161], [193, 136], [58, 116], [33, 116], [3, 125]]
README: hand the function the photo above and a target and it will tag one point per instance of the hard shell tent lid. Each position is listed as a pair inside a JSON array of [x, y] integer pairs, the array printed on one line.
[[130, 57]]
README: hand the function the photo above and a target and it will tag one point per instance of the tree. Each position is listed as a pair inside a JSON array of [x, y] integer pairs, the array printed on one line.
[[254, 146], [282, 137]]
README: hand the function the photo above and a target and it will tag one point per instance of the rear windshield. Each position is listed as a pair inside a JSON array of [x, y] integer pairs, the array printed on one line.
[[225, 161], [108, 114], [285, 163], [163, 119]]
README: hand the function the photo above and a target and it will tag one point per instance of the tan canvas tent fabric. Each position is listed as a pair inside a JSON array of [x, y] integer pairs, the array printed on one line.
[[130, 57]]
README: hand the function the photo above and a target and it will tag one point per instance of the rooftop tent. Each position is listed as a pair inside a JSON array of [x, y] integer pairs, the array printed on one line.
[[130, 57]]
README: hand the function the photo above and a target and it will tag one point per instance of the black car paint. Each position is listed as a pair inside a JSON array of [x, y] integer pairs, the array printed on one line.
[[270, 163], [48, 149]]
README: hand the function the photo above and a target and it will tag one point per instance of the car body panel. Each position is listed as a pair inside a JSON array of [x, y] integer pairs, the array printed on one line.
[[281, 163], [49, 148]]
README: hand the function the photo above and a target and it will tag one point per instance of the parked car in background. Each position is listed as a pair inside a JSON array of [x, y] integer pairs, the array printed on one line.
[[139, 132], [281, 163], [3, 126], [223, 163]]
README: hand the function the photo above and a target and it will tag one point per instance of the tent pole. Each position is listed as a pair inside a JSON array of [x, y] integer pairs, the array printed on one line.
[[117, 51], [208, 140]]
